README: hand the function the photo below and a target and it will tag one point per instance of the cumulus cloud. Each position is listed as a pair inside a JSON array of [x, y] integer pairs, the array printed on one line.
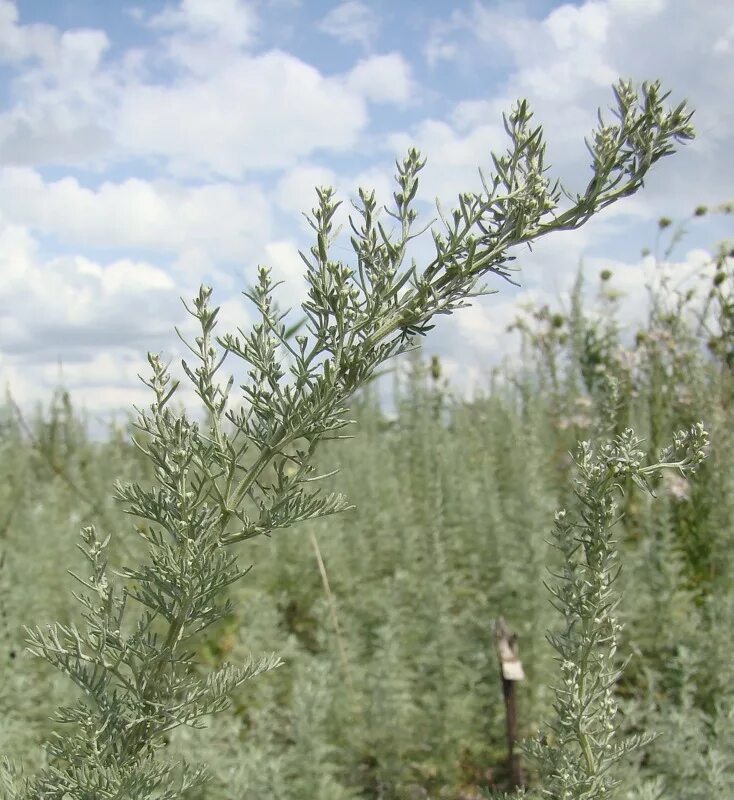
[[454, 151], [230, 20], [565, 61], [60, 108], [382, 79], [352, 21], [287, 266], [221, 111], [201, 36], [256, 114], [46, 44], [295, 192], [67, 303], [228, 221], [96, 319]]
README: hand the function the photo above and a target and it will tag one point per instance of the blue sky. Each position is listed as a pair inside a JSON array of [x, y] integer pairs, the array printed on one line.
[[147, 147]]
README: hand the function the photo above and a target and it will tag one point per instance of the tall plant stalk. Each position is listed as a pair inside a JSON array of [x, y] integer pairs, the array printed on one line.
[[578, 754]]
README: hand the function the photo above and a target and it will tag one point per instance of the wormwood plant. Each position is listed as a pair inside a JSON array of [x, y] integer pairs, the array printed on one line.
[[249, 469], [578, 756]]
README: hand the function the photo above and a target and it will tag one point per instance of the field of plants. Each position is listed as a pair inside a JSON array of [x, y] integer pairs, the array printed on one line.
[[384, 614]]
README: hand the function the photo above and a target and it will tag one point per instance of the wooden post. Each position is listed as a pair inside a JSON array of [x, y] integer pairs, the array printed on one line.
[[511, 671]]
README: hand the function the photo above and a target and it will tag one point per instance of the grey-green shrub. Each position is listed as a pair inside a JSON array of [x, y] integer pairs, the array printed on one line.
[[139, 677]]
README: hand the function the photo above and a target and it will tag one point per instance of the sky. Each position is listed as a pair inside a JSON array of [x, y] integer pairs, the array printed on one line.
[[149, 147]]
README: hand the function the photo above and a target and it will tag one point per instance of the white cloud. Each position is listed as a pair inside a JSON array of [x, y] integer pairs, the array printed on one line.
[[103, 384], [295, 192], [99, 319], [225, 220], [232, 21], [96, 319], [567, 24], [221, 111], [60, 107], [484, 323], [286, 265], [234, 312], [202, 36], [73, 302], [24, 42], [254, 114], [454, 152], [382, 79], [564, 63], [633, 9], [441, 44], [352, 21], [557, 58]]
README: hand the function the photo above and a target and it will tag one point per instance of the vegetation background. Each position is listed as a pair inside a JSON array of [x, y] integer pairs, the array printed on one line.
[[384, 615]]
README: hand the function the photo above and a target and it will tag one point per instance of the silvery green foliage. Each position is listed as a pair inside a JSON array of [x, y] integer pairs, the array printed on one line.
[[9, 682], [31, 505], [693, 754], [448, 532], [577, 756], [133, 658]]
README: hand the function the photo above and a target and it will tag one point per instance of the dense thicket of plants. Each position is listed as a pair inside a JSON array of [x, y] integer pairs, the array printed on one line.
[[392, 695], [384, 614]]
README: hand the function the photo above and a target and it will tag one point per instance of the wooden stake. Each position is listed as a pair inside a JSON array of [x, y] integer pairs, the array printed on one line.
[[511, 671]]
